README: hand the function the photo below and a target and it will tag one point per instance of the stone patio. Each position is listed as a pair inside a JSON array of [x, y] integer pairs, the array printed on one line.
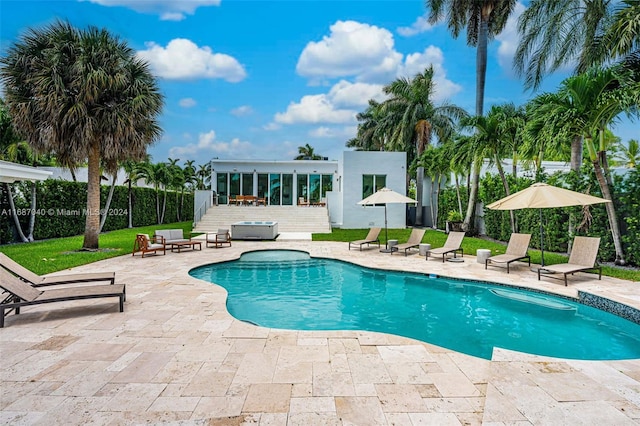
[[175, 356]]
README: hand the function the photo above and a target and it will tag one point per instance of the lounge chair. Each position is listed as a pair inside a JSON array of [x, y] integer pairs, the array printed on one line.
[[38, 281], [18, 293], [414, 241], [218, 239], [145, 244], [582, 259], [452, 245], [371, 238], [516, 250]]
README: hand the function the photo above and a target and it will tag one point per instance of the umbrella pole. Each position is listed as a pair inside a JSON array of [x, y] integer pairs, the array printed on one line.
[[386, 248], [541, 238], [386, 237]]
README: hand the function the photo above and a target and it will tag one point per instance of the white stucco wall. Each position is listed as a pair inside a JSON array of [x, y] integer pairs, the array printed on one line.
[[353, 166]]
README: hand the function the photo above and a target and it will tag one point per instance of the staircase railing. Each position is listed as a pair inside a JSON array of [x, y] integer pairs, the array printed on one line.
[[200, 212]]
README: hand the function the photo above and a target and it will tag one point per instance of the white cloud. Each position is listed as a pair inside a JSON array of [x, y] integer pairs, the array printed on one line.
[[509, 40], [169, 10], [352, 49], [187, 102], [242, 111], [314, 109], [322, 132], [272, 126], [345, 93], [209, 146], [335, 107], [432, 56], [345, 132], [182, 59], [420, 25]]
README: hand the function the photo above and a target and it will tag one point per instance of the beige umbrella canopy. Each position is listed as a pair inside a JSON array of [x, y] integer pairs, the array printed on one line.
[[541, 196], [386, 196]]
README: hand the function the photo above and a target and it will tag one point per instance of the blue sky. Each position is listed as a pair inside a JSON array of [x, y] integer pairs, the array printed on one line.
[[258, 79]]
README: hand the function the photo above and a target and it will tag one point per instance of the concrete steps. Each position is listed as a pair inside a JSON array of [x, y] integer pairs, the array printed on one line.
[[289, 218]]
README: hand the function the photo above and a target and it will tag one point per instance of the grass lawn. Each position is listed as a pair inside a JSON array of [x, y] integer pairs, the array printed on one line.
[[43, 257], [470, 245]]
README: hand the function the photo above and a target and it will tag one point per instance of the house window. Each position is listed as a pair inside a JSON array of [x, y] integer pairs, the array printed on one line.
[[372, 183]]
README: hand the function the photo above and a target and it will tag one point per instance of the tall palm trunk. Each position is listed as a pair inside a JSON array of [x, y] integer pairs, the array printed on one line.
[[158, 218], [576, 153], [458, 194], [130, 205], [507, 191], [606, 194], [92, 222], [32, 216], [105, 213], [481, 73], [419, 198], [14, 214]]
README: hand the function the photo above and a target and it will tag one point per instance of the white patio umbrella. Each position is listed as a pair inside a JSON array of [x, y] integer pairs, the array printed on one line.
[[386, 196], [542, 196]]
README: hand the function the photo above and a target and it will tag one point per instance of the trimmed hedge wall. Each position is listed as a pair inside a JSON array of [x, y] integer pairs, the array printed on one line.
[[60, 207], [591, 221]]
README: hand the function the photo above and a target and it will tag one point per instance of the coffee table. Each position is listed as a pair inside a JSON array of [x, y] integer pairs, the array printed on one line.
[[186, 244]]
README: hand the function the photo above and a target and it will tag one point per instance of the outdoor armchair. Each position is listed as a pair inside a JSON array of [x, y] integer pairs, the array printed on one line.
[[218, 239], [145, 244]]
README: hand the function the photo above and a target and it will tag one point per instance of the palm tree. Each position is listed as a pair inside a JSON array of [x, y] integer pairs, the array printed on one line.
[[559, 32], [627, 155], [306, 152], [203, 176], [371, 134], [483, 19], [158, 176], [621, 40], [177, 182], [493, 140], [416, 119], [588, 103], [132, 171], [84, 95]]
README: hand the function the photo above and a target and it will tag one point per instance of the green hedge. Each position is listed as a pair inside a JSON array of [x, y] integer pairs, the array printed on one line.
[[60, 207], [626, 193]]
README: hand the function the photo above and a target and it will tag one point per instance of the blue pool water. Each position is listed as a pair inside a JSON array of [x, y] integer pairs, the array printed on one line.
[[290, 290]]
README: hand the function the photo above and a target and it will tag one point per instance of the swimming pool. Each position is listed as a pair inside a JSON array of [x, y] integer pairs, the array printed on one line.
[[290, 290]]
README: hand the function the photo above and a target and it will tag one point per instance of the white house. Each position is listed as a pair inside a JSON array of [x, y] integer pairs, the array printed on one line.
[[337, 184]]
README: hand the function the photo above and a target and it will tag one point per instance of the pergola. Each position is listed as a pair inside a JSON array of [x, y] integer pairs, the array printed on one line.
[[12, 172]]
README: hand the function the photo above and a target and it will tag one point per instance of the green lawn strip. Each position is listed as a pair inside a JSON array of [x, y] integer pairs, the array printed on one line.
[[469, 245], [43, 257]]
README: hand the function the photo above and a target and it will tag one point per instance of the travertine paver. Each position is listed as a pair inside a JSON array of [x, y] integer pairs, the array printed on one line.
[[176, 356]]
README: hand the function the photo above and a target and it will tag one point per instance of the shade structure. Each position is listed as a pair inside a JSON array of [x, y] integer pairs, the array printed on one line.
[[386, 196], [542, 196]]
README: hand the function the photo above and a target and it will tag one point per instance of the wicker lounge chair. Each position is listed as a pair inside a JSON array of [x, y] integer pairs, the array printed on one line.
[[414, 241], [582, 259], [371, 238], [38, 281], [218, 239], [516, 250], [452, 245], [17, 293]]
